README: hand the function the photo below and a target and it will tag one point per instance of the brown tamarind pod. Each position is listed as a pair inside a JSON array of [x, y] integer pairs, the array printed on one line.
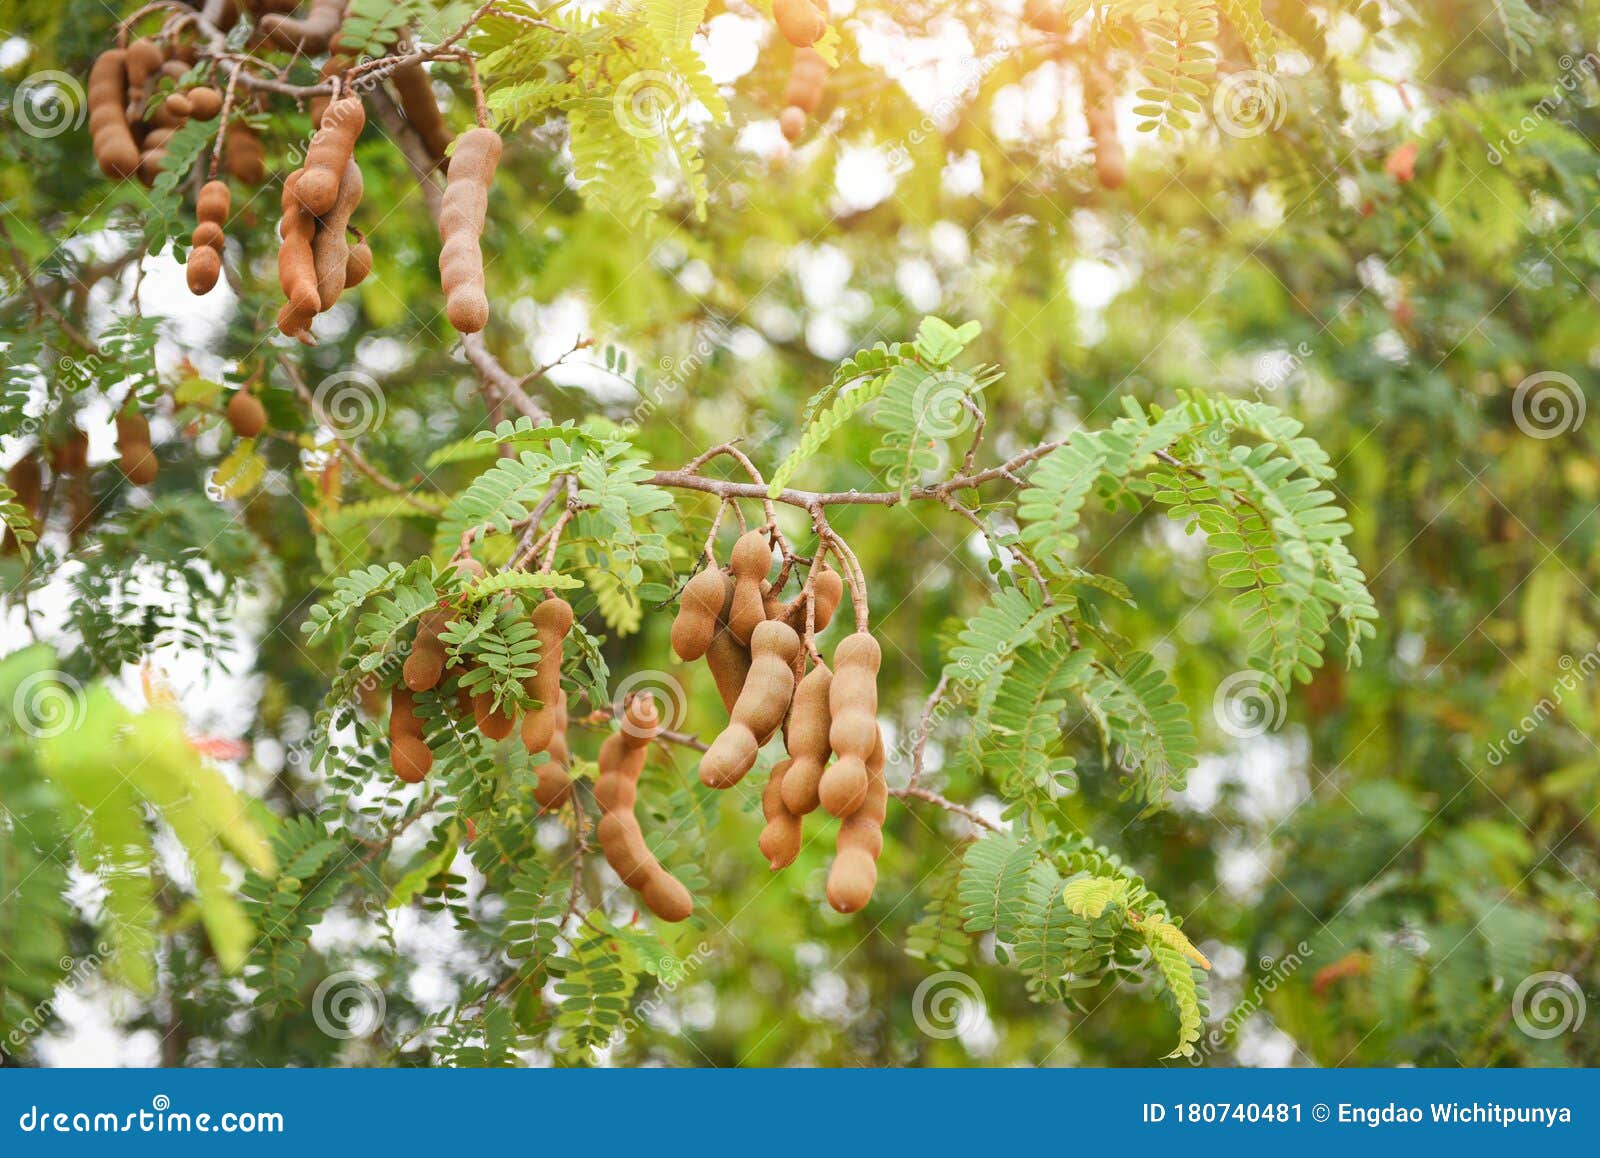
[[827, 589], [808, 74], [751, 560], [496, 723], [213, 202], [853, 727], [729, 661], [424, 667], [297, 271], [205, 102], [114, 147], [243, 154], [800, 22], [759, 709], [26, 481], [555, 782], [136, 459], [621, 760], [208, 234], [359, 264], [807, 740], [335, 64], [461, 218], [154, 154], [173, 112], [144, 61], [780, 839], [792, 121], [422, 109], [203, 268], [1045, 15], [409, 754], [309, 36], [246, 414], [205, 247], [854, 872], [330, 249], [329, 153], [699, 606], [552, 620], [1110, 160]]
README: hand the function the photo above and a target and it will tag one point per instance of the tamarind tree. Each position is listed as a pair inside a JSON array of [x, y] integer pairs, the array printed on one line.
[[785, 532]]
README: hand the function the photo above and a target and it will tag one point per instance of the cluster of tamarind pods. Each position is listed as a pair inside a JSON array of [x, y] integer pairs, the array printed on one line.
[[802, 23]]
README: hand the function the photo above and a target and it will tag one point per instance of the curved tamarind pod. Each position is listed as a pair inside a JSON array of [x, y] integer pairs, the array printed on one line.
[[297, 271], [759, 709], [205, 253], [780, 839], [174, 110], [807, 77], [114, 147], [205, 102], [424, 667], [359, 264], [552, 620], [330, 249], [853, 729], [422, 108], [854, 872], [496, 723], [809, 719], [555, 783], [243, 154], [461, 218], [309, 36], [729, 661], [751, 560], [800, 22], [827, 588], [409, 754], [329, 153], [246, 414], [1110, 160], [699, 606], [621, 761], [137, 461]]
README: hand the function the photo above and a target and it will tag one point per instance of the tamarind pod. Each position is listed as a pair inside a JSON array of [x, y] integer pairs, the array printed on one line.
[[552, 620], [854, 872], [555, 783], [72, 455], [204, 267], [114, 148], [780, 839], [751, 560], [144, 64], [205, 102], [177, 107], [150, 160], [792, 121], [622, 842], [308, 36], [807, 77], [359, 264], [701, 603], [422, 108], [27, 482], [665, 896], [330, 249], [207, 234], [495, 723], [424, 667], [332, 67], [330, 151], [827, 588], [176, 66], [370, 696], [853, 728], [729, 661], [759, 709], [243, 154], [808, 741], [461, 219], [249, 418], [800, 22], [137, 461], [297, 273], [1110, 160], [214, 201], [409, 754]]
